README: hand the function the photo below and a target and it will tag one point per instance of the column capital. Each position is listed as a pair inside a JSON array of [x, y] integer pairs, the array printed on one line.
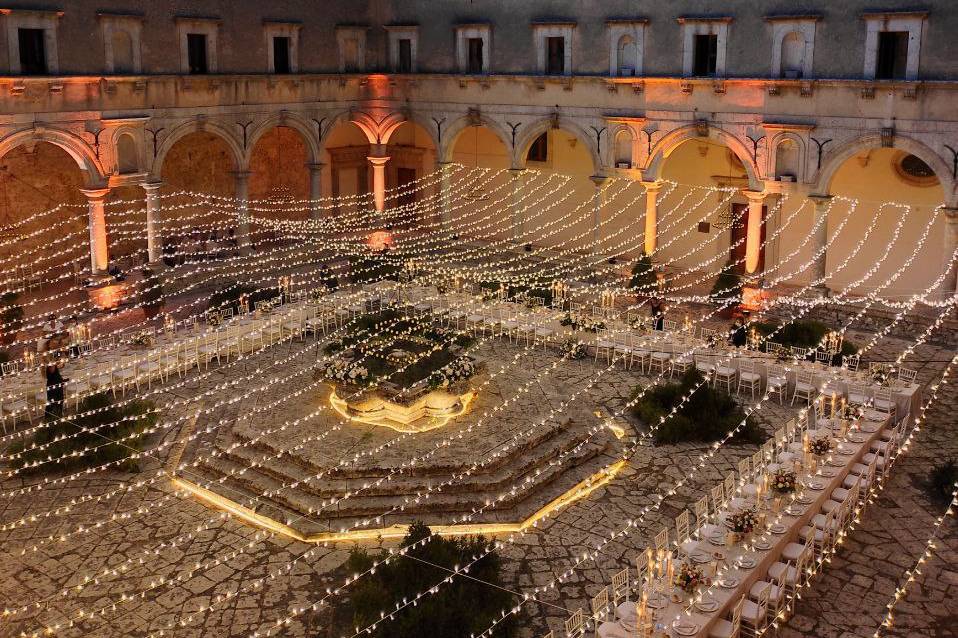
[[599, 180], [315, 166], [754, 196], [95, 194], [951, 214], [653, 185], [151, 187], [378, 160]]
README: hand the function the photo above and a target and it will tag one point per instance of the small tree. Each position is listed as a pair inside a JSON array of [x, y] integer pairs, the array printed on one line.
[[643, 279], [11, 317], [728, 284]]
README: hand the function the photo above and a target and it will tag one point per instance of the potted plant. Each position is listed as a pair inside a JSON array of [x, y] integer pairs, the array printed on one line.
[[152, 294], [11, 317]]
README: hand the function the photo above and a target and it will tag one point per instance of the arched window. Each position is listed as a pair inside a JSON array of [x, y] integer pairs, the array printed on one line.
[[793, 55], [787, 160], [627, 56], [126, 161], [122, 52], [623, 149], [913, 170]]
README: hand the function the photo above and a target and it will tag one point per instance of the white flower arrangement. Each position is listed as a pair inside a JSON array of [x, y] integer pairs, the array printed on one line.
[[578, 322], [143, 339], [573, 350], [344, 371], [783, 481], [820, 446], [456, 370], [743, 522]]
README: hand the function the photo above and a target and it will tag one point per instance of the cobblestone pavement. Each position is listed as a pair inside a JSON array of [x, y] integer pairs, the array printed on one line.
[[864, 572]]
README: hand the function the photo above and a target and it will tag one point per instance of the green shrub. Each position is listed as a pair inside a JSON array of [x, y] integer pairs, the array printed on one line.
[[460, 609], [90, 430], [941, 480], [376, 267], [805, 333], [230, 297], [643, 276], [708, 415], [728, 284]]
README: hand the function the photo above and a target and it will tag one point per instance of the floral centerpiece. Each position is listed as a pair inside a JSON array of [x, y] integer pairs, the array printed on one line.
[[573, 350], [578, 322], [743, 522], [345, 371], [689, 577], [456, 370], [214, 319], [820, 446], [783, 481], [144, 338]]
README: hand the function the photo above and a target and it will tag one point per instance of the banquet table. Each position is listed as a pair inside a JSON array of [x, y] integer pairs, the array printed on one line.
[[735, 580]]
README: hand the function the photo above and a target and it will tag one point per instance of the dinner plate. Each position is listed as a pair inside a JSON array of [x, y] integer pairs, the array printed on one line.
[[728, 583], [657, 602], [804, 500], [844, 451], [718, 541], [829, 472], [871, 429], [856, 438], [707, 606], [815, 485], [762, 544], [835, 462], [746, 563], [683, 629], [700, 557], [791, 510], [778, 528]]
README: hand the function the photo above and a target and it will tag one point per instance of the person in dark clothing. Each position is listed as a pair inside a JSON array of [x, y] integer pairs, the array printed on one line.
[[657, 308], [55, 390], [739, 337]]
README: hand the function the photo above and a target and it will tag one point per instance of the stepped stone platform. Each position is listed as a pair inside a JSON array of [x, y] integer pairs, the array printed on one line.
[[509, 462]]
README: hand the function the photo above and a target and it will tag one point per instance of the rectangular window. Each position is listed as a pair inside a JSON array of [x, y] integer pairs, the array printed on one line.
[[33, 55], [892, 55], [539, 151], [706, 55], [281, 55], [351, 55], [405, 56], [196, 52], [555, 62], [475, 55]]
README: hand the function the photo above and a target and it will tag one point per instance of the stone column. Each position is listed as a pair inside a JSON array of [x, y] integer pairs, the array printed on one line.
[[820, 240], [651, 215], [154, 239], [315, 189], [99, 251], [378, 159], [753, 237], [949, 284], [597, 204], [518, 218], [445, 178], [241, 193]]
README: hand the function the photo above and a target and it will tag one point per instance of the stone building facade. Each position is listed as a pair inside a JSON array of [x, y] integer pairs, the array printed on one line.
[[307, 99]]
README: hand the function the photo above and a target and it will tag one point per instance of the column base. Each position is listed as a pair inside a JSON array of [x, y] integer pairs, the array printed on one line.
[[821, 291], [105, 293]]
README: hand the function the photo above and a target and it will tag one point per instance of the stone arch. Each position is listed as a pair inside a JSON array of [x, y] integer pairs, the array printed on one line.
[[626, 49], [672, 140], [775, 146], [457, 127], [534, 130], [77, 148], [200, 126], [834, 160], [288, 120], [378, 130], [622, 145]]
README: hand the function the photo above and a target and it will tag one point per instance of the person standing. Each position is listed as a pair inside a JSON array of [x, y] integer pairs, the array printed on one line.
[[55, 389]]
